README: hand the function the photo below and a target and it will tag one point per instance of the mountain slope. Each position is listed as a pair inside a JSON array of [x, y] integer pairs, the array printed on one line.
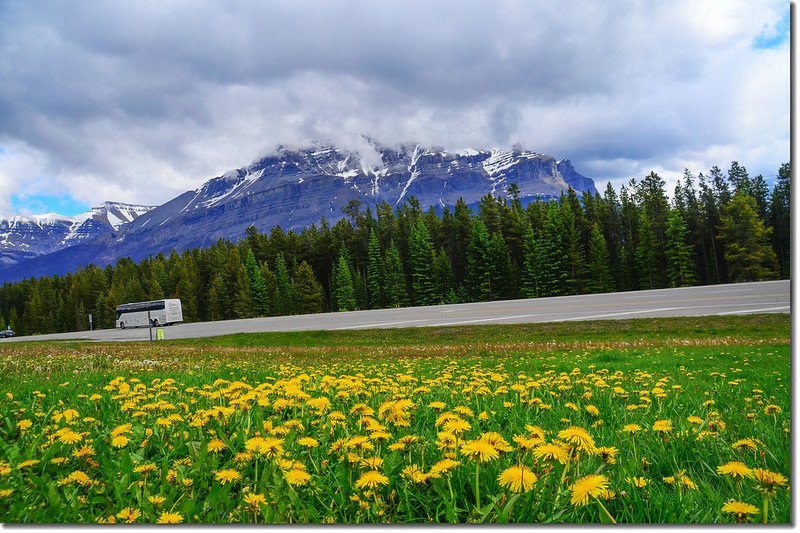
[[296, 188], [23, 237]]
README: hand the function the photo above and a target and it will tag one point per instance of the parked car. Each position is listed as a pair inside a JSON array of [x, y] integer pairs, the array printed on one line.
[[6, 333]]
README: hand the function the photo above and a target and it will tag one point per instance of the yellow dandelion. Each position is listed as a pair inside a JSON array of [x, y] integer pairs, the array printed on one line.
[[156, 500], [631, 428], [27, 463], [590, 486], [145, 468], [457, 426], [70, 437], [480, 450], [442, 467], [169, 518], [297, 477], [578, 437], [662, 426], [372, 462], [308, 442], [608, 454], [740, 509], [437, 405], [743, 444], [24, 424], [80, 477], [227, 475], [129, 514], [414, 473], [768, 481], [518, 478], [551, 452], [122, 429], [253, 499], [735, 469], [772, 409], [638, 482], [5, 493], [371, 479], [120, 441], [695, 420]]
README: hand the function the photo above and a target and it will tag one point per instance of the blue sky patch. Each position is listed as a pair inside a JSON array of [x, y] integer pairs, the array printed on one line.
[[772, 39], [40, 204]]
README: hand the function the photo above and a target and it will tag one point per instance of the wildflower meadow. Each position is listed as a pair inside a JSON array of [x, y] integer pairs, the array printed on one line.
[[649, 432]]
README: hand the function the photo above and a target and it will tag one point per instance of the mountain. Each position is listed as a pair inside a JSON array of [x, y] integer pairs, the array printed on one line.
[[295, 188], [23, 237]]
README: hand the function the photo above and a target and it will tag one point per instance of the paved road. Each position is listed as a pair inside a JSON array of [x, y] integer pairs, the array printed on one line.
[[734, 299]]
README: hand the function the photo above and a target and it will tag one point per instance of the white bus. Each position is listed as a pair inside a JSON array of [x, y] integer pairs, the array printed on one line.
[[162, 313]]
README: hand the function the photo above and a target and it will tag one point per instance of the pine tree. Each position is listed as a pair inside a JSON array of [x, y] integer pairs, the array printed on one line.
[[531, 274], [217, 299], [308, 292], [551, 269], [747, 250], [420, 257], [779, 212], [243, 304], [344, 292], [284, 298], [375, 272], [500, 268], [394, 279], [646, 256], [479, 275], [599, 266], [258, 290], [680, 266], [444, 280]]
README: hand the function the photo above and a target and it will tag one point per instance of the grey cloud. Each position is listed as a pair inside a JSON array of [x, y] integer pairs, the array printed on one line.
[[128, 96]]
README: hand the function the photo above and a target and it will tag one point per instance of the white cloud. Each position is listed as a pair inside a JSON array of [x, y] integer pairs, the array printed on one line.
[[140, 102]]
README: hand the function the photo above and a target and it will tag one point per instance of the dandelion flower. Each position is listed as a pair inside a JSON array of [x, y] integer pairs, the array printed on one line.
[[768, 481], [308, 442], [442, 467], [129, 514], [145, 468], [169, 518], [80, 477], [638, 482], [156, 500], [457, 426], [772, 409], [371, 479], [253, 499], [480, 450], [414, 473], [740, 509], [586, 487], [662, 426], [70, 437], [297, 477], [120, 441], [735, 469], [551, 452], [216, 445], [227, 475], [742, 444], [28, 462], [579, 438], [517, 478], [5, 493], [24, 424], [372, 462], [630, 429]]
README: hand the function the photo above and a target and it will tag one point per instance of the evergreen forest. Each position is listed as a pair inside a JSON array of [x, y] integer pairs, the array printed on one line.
[[718, 227]]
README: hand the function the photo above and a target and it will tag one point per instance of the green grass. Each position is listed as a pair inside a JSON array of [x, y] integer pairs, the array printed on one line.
[[757, 326], [725, 371]]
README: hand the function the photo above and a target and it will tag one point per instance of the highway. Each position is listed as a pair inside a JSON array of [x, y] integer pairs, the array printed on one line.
[[732, 299]]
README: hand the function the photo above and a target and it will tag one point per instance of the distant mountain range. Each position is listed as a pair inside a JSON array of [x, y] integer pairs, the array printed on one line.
[[293, 188]]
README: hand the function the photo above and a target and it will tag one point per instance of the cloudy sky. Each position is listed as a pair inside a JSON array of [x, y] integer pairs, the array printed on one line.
[[140, 101]]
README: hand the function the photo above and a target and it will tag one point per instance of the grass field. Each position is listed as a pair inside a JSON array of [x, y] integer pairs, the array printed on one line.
[[640, 421]]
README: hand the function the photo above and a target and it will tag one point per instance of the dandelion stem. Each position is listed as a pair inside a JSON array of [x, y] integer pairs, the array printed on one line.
[[766, 510], [605, 511], [477, 487]]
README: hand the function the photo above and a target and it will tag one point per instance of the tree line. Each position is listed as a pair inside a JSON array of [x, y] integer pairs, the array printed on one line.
[[717, 228]]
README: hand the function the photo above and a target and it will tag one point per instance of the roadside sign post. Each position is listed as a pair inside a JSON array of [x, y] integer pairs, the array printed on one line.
[[90, 321], [150, 326]]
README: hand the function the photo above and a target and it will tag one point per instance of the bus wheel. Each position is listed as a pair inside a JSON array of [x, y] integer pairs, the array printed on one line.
[[122, 325], [155, 322]]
